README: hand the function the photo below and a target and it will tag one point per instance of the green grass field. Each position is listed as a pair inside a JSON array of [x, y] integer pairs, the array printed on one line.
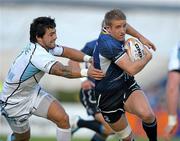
[[80, 139]]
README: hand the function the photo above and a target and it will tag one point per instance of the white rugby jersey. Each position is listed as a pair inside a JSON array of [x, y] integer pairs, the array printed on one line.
[[174, 60], [21, 84]]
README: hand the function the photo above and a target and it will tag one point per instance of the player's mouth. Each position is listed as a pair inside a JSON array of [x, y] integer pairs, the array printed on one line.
[[122, 36]]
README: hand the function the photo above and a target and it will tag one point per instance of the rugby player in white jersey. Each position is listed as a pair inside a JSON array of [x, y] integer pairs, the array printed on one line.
[[22, 96], [172, 91]]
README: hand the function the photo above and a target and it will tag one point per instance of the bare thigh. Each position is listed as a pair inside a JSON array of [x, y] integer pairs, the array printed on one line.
[[107, 129], [119, 125], [138, 105], [50, 108], [57, 114], [22, 137]]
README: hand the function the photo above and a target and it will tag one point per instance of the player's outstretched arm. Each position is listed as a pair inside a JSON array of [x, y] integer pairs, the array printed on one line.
[[74, 64], [74, 72], [85, 83], [75, 55], [133, 68], [131, 31]]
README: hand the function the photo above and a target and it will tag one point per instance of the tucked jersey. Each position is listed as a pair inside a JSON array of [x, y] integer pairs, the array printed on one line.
[[21, 84], [174, 60], [107, 52]]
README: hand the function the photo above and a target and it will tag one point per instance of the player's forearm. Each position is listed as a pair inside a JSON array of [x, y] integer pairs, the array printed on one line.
[[74, 63], [131, 31], [138, 65], [70, 72], [66, 71], [73, 54]]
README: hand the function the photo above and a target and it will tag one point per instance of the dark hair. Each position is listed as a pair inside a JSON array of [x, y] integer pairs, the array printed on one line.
[[115, 14], [38, 27]]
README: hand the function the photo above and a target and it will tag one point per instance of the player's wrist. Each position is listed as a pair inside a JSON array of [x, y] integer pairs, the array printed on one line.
[[84, 72], [83, 79], [172, 120], [87, 58]]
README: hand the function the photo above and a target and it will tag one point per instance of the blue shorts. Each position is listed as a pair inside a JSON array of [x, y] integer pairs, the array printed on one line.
[[87, 98], [111, 103]]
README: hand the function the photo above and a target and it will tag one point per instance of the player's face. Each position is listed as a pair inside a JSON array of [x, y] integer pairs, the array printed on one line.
[[49, 38], [118, 29]]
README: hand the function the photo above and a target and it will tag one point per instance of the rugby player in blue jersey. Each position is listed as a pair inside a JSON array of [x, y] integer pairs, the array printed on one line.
[[118, 92], [87, 93]]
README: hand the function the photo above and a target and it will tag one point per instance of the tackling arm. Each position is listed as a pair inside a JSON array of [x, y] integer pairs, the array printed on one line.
[[85, 83], [75, 55], [74, 72]]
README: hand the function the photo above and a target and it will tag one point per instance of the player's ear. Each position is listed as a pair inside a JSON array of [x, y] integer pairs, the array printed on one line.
[[108, 28], [39, 39]]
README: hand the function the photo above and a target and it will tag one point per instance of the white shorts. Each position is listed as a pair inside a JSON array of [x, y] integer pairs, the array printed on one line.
[[174, 60], [20, 124]]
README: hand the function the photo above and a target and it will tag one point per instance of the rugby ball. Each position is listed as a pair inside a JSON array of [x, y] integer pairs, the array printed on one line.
[[135, 49]]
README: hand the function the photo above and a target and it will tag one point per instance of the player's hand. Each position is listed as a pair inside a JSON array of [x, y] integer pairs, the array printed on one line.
[[95, 73], [147, 53], [147, 43], [86, 85], [170, 131]]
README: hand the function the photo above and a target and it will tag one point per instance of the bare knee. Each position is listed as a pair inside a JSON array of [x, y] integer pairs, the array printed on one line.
[[57, 114], [21, 137], [148, 116], [63, 122]]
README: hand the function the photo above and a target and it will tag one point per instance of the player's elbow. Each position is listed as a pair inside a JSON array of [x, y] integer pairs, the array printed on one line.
[[131, 72], [149, 57]]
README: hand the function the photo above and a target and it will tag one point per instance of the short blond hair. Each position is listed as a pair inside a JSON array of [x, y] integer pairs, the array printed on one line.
[[115, 14]]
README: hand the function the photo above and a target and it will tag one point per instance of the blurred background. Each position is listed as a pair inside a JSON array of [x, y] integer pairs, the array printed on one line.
[[79, 21]]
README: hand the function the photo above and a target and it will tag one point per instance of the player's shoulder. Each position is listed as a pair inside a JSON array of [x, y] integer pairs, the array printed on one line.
[[90, 43], [39, 53], [40, 50], [57, 50], [109, 42], [104, 37], [104, 41], [89, 47]]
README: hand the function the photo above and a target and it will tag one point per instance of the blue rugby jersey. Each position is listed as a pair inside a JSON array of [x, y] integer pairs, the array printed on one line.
[[89, 47], [109, 50]]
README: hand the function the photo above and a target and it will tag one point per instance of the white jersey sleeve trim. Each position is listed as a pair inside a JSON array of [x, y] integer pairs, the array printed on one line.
[[119, 58], [57, 51]]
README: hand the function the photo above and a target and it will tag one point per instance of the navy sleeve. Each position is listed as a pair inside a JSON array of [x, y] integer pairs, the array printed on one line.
[[89, 48]]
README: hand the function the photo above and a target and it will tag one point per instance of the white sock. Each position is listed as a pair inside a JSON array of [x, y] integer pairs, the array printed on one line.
[[63, 134]]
